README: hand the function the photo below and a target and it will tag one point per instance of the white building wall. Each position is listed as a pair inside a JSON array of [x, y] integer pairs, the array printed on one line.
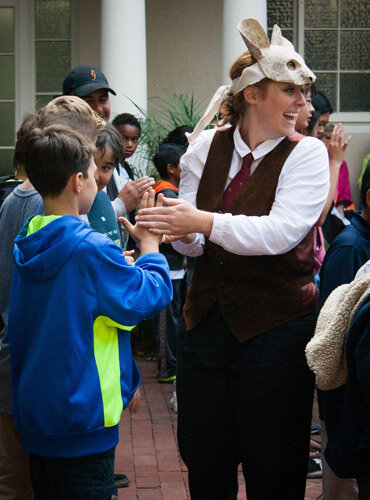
[[88, 29], [233, 12], [184, 42], [123, 53]]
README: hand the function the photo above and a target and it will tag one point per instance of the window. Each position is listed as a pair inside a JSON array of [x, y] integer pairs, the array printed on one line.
[[52, 47], [30, 73], [333, 36], [282, 13], [7, 85]]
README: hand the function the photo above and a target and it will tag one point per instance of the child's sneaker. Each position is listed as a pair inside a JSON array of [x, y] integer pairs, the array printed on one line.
[[168, 380], [315, 428]]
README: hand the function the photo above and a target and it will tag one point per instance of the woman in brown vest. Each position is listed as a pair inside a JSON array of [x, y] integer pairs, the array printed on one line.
[[249, 198]]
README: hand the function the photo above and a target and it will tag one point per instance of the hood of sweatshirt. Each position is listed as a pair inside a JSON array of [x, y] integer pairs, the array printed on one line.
[[42, 254]]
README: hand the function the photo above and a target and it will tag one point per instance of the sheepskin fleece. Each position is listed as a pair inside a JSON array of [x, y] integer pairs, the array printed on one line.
[[326, 352]]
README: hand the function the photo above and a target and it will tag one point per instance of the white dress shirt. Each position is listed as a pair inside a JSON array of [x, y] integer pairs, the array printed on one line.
[[301, 193], [120, 180]]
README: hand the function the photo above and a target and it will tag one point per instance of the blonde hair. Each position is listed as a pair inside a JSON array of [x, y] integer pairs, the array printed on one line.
[[234, 107], [73, 112]]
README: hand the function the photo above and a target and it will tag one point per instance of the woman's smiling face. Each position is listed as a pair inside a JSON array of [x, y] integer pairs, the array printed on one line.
[[279, 109]]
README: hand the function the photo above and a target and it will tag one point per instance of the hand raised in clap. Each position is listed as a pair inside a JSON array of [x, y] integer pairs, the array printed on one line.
[[336, 147], [148, 241], [132, 191]]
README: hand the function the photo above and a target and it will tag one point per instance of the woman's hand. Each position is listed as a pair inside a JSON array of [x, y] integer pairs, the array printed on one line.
[[185, 238], [177, 218], [336, 150], [336, 147]]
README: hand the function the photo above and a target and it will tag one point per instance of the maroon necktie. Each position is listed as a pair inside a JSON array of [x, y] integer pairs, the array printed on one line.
[[239, 180]]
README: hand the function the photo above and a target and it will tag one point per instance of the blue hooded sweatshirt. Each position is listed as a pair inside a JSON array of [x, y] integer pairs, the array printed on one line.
[[72, 371]]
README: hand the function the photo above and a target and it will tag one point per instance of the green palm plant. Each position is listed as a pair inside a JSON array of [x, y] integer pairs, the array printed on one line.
[[166, 113], [174, 110]]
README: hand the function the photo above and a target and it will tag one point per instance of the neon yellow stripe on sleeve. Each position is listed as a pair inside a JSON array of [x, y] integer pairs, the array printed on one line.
[[106, 353]]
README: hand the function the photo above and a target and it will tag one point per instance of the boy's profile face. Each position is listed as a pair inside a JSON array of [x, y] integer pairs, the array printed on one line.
[[105, 166], [130, 137], [89, 189], [175, 173]]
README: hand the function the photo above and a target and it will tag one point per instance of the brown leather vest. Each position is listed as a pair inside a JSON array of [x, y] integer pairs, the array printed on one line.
[[254, 293]]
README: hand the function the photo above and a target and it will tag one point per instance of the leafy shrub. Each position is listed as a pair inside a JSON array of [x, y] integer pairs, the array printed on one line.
[[166, 114]]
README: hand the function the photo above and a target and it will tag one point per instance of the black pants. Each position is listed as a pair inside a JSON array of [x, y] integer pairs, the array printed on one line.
[[363, 487], [79, 478], [169, 323], [248, 403]]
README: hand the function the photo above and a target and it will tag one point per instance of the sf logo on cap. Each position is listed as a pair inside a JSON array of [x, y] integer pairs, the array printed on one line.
[[93, 74]]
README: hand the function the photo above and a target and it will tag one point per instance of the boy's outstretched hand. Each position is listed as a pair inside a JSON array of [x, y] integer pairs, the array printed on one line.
[[129, 256], [148, 241]]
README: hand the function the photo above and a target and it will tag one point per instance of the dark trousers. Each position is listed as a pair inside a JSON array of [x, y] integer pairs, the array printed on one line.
[[169, 323], [79, 478], [248, 403], [363, 488]]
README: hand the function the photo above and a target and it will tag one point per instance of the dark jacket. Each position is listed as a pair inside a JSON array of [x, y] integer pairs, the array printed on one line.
[[72, 369], [348, 252], [348, 428]]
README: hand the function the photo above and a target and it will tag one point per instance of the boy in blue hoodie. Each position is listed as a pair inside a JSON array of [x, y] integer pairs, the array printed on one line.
[[72, 373]]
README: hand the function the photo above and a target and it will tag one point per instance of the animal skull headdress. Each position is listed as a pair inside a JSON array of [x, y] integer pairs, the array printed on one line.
[[277, 61]]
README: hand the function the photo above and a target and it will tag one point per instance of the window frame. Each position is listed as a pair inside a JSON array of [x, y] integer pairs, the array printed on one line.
[[72, 40], [23, 59], [346, 117]]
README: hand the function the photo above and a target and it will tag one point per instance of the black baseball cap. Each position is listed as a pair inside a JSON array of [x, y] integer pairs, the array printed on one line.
[[83, 80]]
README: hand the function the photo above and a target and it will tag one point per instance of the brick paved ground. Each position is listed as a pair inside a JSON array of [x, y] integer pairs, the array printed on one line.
[[148, 451]]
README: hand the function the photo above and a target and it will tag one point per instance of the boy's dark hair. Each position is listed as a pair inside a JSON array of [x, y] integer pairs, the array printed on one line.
[[126, 119], [108, 136], [53, 154], [321, 103], [365, 186], [177, 135], [27, 124], [167, 154]]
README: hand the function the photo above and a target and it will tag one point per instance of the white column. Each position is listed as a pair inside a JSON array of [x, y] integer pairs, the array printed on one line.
[[123, 53], [232, 43]]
